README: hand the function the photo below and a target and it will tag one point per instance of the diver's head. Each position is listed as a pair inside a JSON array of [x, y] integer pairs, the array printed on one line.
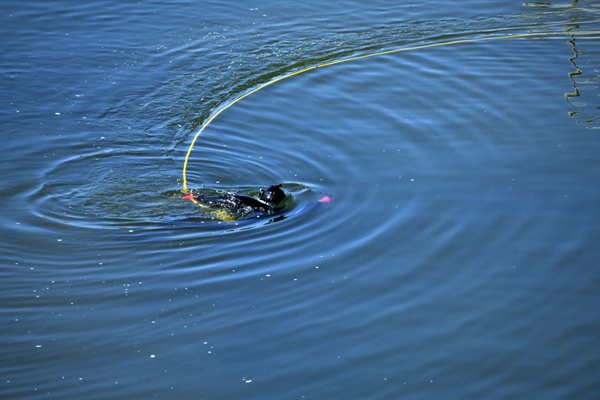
[[272, 195]]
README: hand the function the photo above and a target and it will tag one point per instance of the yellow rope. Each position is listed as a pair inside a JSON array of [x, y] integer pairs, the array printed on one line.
[[327, 64]]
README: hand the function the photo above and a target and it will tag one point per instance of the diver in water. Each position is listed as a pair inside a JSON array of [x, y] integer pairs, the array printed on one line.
[[269, 201]]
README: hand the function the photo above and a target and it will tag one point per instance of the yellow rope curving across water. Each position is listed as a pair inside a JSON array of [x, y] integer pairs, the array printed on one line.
[[380, 53]]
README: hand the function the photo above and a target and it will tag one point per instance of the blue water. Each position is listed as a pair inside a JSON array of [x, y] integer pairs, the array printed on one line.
[[459, 256]]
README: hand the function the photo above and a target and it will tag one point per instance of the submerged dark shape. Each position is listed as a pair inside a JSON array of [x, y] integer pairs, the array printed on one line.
[[268, 202]]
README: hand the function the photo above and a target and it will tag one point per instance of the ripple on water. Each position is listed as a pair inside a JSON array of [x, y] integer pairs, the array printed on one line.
[[457, 239]]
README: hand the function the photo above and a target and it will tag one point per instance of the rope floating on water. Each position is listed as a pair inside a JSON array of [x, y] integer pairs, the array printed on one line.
[[344, 60]]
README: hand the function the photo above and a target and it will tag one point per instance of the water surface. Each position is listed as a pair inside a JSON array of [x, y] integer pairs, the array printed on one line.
[[458, 257]]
